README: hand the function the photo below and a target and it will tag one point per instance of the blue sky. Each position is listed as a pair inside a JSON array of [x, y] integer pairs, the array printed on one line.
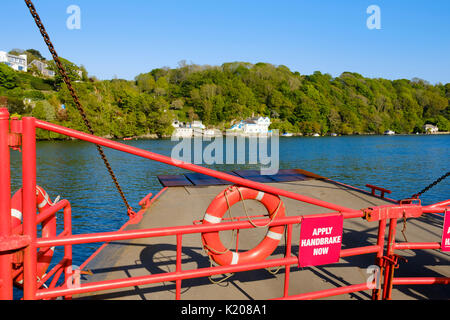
[[124, 38]]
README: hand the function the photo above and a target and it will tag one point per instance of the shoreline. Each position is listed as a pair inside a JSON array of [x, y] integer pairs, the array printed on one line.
[[156, 137]]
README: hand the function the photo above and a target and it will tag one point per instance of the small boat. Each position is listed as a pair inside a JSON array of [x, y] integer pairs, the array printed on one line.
[[389, 133], [287, 134]]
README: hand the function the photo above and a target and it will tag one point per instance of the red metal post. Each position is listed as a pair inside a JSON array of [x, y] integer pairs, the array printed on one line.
[[237, 237], [29, 206], [389, 273], [379, 258], [288, 255], [5, 206], [382, 190], [178, 266], [67, 247]]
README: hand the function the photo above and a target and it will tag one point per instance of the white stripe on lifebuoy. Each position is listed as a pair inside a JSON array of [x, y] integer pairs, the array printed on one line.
[[235, 259], [212, 219], [259, 196], [16, 214], [274, 235], [44, 202]]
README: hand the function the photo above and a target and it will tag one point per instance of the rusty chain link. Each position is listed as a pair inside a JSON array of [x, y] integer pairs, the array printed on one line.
[[417, 195], [80, 108]]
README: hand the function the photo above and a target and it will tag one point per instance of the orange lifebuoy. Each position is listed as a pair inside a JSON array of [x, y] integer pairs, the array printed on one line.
[[44, 255], [217, 209]]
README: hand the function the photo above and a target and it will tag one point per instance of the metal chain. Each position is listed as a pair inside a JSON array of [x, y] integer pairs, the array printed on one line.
[[67, 81], [417, 195]]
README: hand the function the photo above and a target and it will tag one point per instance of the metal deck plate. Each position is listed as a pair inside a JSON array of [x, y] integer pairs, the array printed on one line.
[[174, 181]]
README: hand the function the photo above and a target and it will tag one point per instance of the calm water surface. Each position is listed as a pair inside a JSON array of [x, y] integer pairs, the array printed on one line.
[[74, 170]]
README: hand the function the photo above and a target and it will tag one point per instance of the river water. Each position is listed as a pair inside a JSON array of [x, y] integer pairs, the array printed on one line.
[[74, 170]]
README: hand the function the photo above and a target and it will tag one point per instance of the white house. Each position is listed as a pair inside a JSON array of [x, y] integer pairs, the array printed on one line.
[[188, 129], [43, 68], [429, 128], [18, 63], [257, 125], [252, 126]]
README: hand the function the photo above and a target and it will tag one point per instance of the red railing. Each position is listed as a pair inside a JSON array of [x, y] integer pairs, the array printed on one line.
[[26, 128], [374, 188]]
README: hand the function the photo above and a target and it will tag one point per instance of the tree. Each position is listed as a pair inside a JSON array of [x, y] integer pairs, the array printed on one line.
[[72, 71], [145, 82], [350, 103], [16, 106], [177, 104], [8, 78], [35, 53]]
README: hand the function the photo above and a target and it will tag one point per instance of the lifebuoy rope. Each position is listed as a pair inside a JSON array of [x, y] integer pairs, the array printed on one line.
[[206, 247], [248, 217]]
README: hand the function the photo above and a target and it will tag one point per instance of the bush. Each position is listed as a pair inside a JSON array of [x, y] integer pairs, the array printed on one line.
[[8, 78], [40, 84], [35, 95], [16, 105]]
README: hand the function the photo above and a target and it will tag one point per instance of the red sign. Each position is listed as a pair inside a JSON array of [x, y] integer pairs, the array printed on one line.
[[320, 240], [445, 243]]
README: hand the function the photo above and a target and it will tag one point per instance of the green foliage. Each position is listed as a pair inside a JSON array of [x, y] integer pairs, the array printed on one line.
[[35, 53], [217, 95], [34, 95], [16, 105], [40, 84], [70, 68], [8, 78]]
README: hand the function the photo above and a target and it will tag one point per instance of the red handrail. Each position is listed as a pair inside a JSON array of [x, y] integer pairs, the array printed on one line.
[[386, 261]]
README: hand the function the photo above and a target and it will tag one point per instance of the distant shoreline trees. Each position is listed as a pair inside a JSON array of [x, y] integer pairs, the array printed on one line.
[[217, 95]]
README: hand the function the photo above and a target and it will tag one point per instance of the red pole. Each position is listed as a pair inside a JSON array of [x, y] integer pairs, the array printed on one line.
[[379, 258], [425, 280], [389, 273], [29, 206], [5, 206], [328, 292], [417, 245], [178, 266], [67, 247], [288, 255], [439, 205]]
